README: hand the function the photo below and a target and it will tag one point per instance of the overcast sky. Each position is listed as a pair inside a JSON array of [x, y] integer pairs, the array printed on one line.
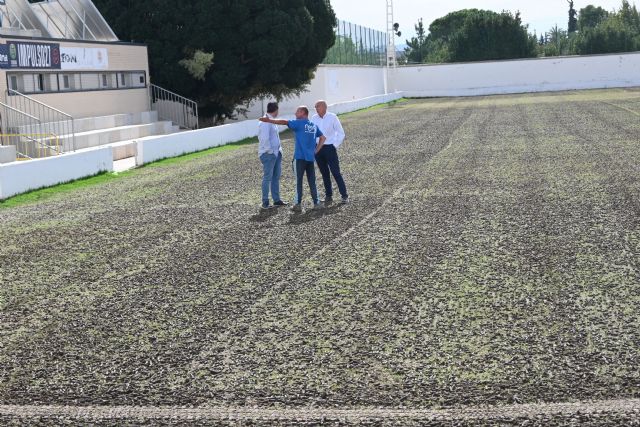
[[541, 15]]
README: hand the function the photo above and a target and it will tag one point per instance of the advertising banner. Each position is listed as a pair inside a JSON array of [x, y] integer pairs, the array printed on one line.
[[4, 56], [38, 56], [50, 56], [80, 58]]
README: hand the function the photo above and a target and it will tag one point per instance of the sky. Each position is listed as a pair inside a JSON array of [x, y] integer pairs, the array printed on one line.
[[541, 15]]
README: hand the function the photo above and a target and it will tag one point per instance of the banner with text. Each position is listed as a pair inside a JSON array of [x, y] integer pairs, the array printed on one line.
[[81, 58], [50, 56], [39, 56]]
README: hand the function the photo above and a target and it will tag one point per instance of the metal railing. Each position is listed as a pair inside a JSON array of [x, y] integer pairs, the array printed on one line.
[[357, 45], [173, 107], [74, 19], [20, 15], [28, 145], [67, 19], [49, 120]]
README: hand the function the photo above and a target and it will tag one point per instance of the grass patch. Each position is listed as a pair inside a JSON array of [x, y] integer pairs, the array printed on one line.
[[41, 194], [377, 107], [199, 154]]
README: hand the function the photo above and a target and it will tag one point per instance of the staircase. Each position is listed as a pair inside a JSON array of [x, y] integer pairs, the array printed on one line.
[[96, 131], [39, 130]]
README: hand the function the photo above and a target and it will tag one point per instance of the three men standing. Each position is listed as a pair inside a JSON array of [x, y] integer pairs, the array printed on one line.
[[327, 157], [309, 141], [317, 140]]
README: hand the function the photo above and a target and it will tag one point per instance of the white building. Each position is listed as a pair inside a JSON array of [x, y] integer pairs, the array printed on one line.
[[68, 83]]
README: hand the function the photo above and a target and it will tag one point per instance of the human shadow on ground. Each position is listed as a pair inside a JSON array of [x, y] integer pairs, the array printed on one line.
[[311, 215], [264, 215]]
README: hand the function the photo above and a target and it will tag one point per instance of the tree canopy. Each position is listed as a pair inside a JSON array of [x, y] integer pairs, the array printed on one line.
[[591, 16], [417, 47], [603, 32], [259, 47], [472, 35]]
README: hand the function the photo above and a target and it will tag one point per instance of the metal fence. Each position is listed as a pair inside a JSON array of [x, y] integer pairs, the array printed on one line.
[[36, 129], [357, 45], [173, 107]]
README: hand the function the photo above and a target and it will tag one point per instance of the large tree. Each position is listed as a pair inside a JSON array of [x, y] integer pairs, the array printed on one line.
[[260, 47], [618, 31], [591, 16], [416, 49], [472, 35], [487, 35], [573, 18]]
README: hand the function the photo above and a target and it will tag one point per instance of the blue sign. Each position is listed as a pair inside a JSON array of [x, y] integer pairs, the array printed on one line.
[[30, 56], [4, 56]]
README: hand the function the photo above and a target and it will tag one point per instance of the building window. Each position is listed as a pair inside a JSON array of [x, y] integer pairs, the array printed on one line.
[[13, 83], [33, 83], [137, 79], [39, 82], [68, 82]]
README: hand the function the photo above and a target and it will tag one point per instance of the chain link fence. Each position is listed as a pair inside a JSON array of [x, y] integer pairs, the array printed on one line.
[[357, 45]]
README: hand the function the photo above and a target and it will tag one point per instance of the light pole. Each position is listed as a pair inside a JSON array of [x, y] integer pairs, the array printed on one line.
[[392, 31]]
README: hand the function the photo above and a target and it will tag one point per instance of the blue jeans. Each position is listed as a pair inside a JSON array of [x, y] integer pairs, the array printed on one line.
[[300, 168], [329, 164], [272, 165]]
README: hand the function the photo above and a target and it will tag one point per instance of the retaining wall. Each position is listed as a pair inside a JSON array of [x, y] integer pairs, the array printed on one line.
[[518, 76], [7, 154], [333, 83], [20, 177]]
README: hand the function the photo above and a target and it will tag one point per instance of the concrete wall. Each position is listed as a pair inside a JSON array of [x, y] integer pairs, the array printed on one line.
[[518, 76], [8, 154], [122, 57], [20, 177], [98, 103], [333, 83]]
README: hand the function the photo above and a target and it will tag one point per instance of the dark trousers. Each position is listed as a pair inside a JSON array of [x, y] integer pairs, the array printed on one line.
[[329, 164], [300, 167]]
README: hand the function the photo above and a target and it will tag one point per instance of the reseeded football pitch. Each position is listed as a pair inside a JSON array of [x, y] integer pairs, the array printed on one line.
[[487, 272]]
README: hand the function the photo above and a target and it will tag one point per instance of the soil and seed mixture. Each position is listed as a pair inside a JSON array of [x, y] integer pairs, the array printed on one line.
[[486, 272]]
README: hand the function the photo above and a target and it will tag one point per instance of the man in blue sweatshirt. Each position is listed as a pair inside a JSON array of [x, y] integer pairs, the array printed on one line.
[[309, 141]]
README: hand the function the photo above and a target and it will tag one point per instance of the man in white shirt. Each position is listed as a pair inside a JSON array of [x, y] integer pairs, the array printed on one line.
[[327, 157], [270, 152]]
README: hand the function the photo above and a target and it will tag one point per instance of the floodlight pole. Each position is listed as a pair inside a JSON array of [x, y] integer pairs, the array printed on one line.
[[391, 45], [391, 36]]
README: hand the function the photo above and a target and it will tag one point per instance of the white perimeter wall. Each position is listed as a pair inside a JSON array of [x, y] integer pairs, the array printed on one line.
[[518, 76], [333, 83], [20, 177]]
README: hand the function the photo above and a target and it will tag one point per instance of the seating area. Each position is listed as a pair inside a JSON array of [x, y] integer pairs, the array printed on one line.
[[118, 130]]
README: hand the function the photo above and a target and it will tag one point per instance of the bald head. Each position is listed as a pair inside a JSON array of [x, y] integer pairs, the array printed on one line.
[[321, 108]]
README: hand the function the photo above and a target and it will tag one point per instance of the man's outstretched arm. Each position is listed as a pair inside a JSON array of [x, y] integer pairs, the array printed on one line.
[[274, 122]]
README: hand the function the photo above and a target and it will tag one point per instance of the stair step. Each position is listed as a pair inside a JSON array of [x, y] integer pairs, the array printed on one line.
[[87, 124]]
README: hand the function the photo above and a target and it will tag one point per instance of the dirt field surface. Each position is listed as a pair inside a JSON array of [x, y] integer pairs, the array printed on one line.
[[487, 272]]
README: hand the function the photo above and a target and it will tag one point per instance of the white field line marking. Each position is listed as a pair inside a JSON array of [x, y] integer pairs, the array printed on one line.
[[622, 108], [388, 200], [626, 407]]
